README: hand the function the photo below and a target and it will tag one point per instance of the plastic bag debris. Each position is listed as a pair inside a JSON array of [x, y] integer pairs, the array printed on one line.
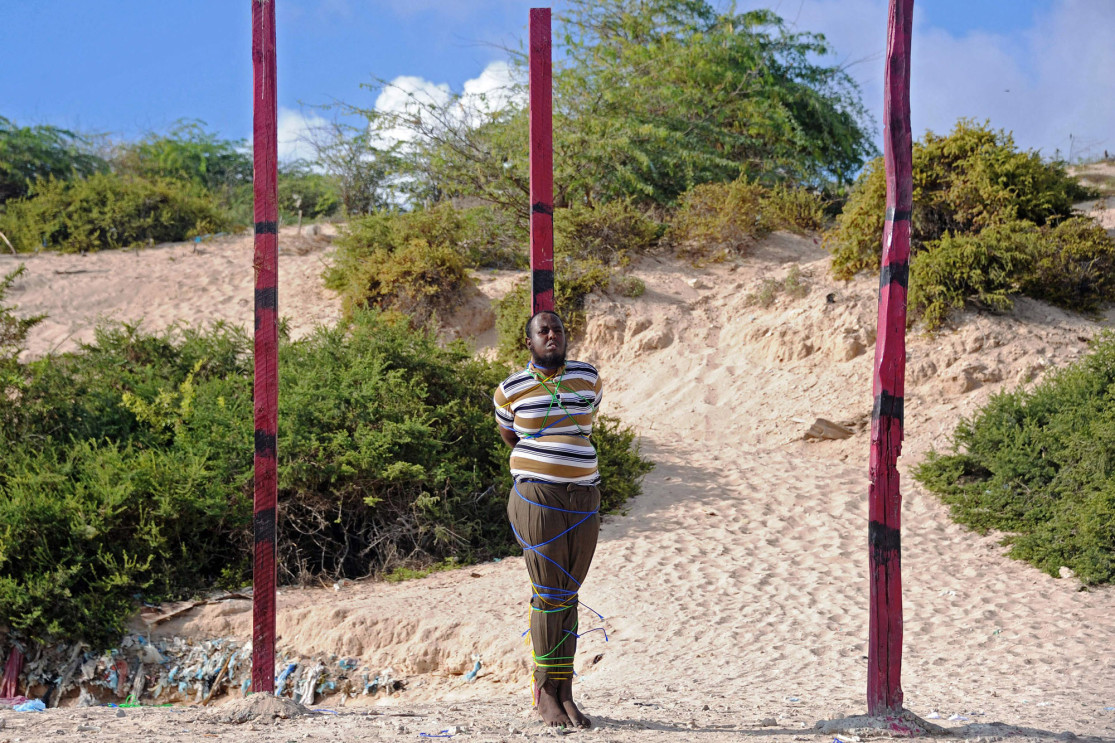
[[33, 705]]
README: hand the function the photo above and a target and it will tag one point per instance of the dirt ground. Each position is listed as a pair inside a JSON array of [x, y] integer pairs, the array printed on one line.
[[734, 590]]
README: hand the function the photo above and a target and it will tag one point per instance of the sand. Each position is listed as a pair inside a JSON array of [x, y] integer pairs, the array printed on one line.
[[734, 590]]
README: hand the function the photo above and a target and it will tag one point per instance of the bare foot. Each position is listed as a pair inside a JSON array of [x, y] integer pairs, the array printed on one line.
[[550, 708], [565, 696]]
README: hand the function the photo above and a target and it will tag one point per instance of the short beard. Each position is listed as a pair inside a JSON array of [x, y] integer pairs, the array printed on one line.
[[549, 361]]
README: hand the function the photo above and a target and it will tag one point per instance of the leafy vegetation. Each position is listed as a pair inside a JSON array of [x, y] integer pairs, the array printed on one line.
[[106, 211], [1037, 465], [414, 262], [970, 179], [128, 467], [727, 218], [187, 152], [1069, 265], [989, 223], [651, 97], [32, 153]]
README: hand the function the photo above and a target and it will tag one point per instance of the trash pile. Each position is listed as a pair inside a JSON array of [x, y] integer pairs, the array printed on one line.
[[181, 670]]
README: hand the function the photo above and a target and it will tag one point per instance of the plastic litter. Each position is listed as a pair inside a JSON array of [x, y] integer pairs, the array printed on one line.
[[174, 669], [957, 716], [33, 705], [471, 675], [443, 734], [934, 715]]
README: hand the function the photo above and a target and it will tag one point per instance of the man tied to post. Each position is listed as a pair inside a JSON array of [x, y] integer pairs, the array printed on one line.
[[545, 413]]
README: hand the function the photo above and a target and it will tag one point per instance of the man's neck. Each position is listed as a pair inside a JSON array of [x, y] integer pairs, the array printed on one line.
[[549, 369]]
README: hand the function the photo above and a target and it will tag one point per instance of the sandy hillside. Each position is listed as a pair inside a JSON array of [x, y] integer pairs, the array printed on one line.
[[734, 590]]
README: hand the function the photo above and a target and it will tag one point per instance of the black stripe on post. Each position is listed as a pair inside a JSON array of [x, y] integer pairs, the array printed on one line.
[[895, 273], [897, 215], [884, 541], [263, 526], [267, 299], [267, 228], [541, 281], [888, 406], [540, 208], [265, 444]]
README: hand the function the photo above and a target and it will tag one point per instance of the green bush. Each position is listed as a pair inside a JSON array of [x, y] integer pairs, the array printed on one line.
[[609, 233], [187, 152], [793, 209], [729, 217], [963, 182], [1070, 265], [128, 467], [13, 328], [406, 262], [1073, 266], [32, 153], [724, 216], [416, 261], [1038, 465], [986, 269], [106, 211]]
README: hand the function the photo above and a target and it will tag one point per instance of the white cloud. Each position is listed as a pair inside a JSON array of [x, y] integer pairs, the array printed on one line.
[[295, 128], [415, 96], [493, 89], [409, 95]]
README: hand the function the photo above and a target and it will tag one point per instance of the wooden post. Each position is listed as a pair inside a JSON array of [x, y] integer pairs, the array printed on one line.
[[266, 265], [541, 163], [884, 664]]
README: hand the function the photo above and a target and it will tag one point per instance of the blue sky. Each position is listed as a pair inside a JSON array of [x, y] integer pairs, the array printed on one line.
[[1042, 68]]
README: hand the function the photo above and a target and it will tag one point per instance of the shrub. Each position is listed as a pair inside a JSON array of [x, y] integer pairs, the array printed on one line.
[[609, 233], [187, 152], [723, 216], [764, 297], [1069, 264], [128, 467], [405, 262], [963, 182], [628, 286], [1073, 266], [492, 237], [793, 285], [793, 209], [1037, 465], [729, 217], [986, 269], [13, 328], [106, 211], [32, 153]]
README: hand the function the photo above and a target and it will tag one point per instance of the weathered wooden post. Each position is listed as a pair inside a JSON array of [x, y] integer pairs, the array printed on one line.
[[266, 265], [541, 163], [884, 665]]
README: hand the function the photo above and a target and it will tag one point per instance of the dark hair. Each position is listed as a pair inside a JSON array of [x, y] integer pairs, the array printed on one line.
[[526, 328]]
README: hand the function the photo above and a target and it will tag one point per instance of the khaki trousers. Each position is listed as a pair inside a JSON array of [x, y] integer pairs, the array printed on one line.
[[557, 526]]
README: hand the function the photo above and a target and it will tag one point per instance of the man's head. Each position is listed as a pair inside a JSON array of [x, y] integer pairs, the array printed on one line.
[[545, 339]]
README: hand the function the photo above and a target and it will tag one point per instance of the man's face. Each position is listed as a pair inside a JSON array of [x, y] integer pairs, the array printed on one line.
[[546, 341]]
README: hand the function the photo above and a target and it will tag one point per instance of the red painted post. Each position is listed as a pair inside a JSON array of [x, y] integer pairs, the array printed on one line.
[[266, 264], [884, 655], [541, 163]]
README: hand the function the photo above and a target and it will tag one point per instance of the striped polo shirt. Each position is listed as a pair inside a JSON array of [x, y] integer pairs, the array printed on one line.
[[552, 414]]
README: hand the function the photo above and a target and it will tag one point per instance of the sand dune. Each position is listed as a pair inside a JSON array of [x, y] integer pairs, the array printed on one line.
[[734, 590]]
